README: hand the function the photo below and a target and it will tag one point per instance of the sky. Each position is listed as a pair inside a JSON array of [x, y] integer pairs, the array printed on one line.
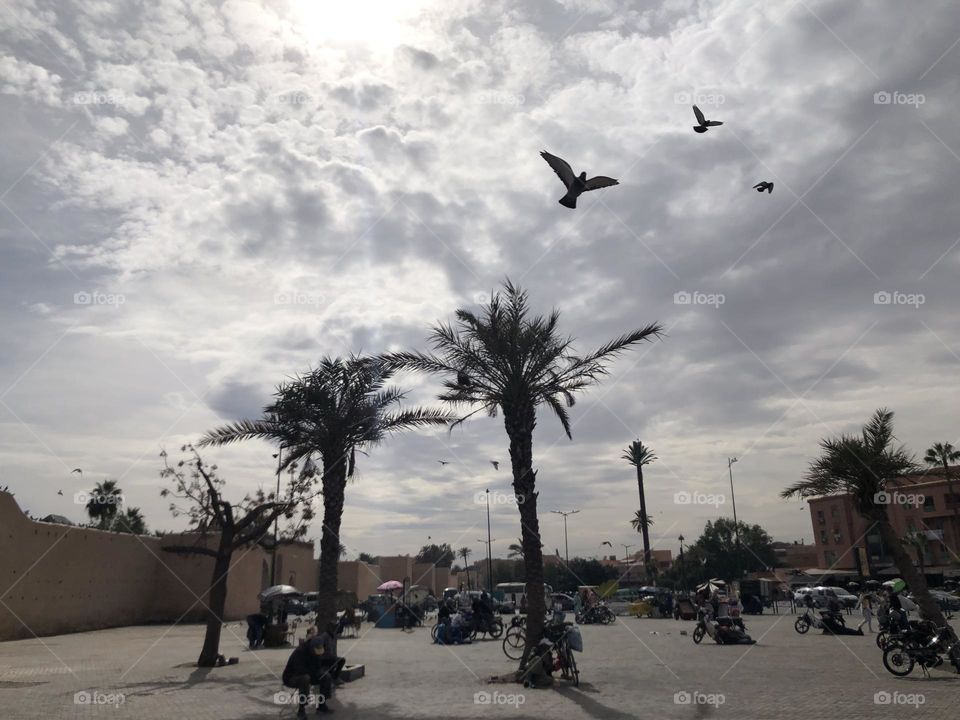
[[199, 200]]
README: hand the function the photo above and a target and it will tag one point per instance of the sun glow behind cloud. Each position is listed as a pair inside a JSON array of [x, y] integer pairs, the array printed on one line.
[[373, 23]]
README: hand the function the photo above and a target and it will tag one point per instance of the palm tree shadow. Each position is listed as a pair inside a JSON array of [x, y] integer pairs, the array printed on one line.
[[591, 707]]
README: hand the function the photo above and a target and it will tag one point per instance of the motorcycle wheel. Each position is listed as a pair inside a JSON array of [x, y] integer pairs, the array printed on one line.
[[496, 628], [433, 632], [608, 617], [698, 634], [898, 661], [801, 625], [882, 640]]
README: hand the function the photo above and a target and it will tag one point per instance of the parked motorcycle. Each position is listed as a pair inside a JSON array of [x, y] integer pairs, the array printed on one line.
[[724, 631], [917, 647], [599, 614]]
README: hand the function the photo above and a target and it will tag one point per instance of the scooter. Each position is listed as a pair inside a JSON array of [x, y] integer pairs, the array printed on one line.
[[724, 631]]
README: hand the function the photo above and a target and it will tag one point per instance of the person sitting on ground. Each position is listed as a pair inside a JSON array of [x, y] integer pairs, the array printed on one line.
[[302, 672]]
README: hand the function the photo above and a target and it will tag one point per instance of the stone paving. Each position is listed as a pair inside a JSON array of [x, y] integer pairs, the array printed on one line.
[[636, 668]]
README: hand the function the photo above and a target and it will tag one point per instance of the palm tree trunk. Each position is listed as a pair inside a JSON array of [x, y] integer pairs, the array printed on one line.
[[644, 528], [334, 486], [901, 558], [216, 602], [519, 426]]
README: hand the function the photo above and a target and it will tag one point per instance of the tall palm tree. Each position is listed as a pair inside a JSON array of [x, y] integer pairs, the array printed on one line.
[[638, 455], [641, 523], [131, 521], [863, 466], [104, 503], [504, 360], [943, 454], [465, 553], [327, 414]]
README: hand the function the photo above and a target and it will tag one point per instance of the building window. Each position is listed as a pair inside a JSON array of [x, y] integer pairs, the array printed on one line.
[[820, 517], [833, 511], [837, 537], [831, 557], [823, 537], [928, 504]]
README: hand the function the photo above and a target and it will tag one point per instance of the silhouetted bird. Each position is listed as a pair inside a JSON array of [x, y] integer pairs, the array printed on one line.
[[443, 462], [703, 122], [463, 379], [496, 464], [765, 185], [59, 492], [576, 185], [606, 542]]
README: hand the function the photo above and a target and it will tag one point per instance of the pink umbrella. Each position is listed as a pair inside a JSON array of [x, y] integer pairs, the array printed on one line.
[[390, 585]]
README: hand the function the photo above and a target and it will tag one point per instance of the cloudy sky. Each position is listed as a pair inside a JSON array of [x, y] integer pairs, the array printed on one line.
[[198, 199]]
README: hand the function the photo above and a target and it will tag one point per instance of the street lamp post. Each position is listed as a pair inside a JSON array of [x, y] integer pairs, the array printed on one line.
[[566, 545], [626, 550], [276, 523], [682, 579], [488, 542], [736, 526], [489, 550]]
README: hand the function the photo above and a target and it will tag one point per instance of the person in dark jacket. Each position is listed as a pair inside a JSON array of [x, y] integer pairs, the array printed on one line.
[[303, 670]]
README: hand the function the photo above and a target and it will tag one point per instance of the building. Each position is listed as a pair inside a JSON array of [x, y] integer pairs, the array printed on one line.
[[796, 554], [363, 579], [919, 504]]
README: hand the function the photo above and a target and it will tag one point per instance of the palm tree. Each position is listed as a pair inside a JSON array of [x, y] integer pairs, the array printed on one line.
[[504, 360], [641, 523], [638, 455], [515, 550], [465, 553], [863, 466], [917, 541], [131, 521], [328, 414], [104, 502], [943, 454]]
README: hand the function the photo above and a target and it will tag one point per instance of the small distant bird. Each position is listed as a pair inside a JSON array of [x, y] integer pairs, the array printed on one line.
[[765, 185], [576, 185], [703, 122], [496, 464], [443, 462], [77, 470], [463, 379], [59, 492], [606, 542]]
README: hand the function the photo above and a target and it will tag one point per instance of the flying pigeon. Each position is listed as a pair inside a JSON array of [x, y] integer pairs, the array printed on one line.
[[59, 492], [443, 462], [76, 470], [496, 464], [576, 185], [765, 185], [703, 122], [606, 542], [463, 379]]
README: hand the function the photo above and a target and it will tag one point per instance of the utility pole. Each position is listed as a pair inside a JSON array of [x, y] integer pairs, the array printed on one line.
[[566, 545], [736, 526], [276, 523], [682, 583], [626, 550], [489, 551]]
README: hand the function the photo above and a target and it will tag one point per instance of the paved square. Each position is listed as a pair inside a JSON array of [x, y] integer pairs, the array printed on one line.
[[636, 668]]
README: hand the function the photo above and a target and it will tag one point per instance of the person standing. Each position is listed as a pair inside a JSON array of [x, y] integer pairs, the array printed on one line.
[[866, 607]]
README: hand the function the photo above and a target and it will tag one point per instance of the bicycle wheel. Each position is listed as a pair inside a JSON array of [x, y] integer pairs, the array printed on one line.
[[897, 660], [698, 634], [801, 625], [572, 666], [496, 628], [514, 643]]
